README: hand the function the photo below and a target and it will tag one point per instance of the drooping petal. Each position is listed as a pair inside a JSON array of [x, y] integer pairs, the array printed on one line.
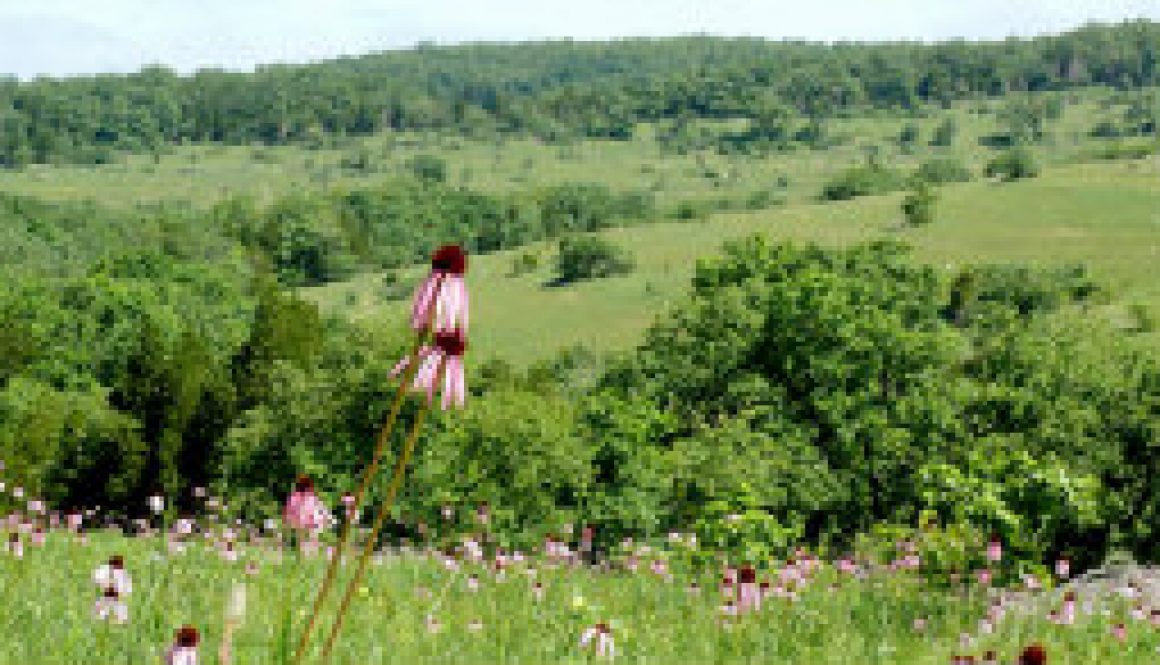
[[423, 299], [461, 285], [460, 383], [424, 351], [448, 382]]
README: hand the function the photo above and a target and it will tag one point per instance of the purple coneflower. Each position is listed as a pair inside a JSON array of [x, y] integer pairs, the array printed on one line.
[[304, 511], [749, 597], [994, 550], [447, 351], [183, 651], [15, 546], [600, 636], [1033, 655], [110, 606], [113, 575], [443, 289]]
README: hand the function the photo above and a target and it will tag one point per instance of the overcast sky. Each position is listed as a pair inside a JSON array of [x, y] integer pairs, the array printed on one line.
[[81, 36]]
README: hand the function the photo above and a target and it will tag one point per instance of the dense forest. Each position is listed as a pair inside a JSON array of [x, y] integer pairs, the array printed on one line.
[[554, 90]]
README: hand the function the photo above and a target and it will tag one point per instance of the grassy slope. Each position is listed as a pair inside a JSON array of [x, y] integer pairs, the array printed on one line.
[[204, 174], [1106, 215]]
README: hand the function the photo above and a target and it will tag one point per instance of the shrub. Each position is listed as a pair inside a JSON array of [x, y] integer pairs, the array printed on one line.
[[428, 168], [590, 257], [918, 206], [1014, 164], [944, 134], [862, 181], [943, 170], [1105, 129]]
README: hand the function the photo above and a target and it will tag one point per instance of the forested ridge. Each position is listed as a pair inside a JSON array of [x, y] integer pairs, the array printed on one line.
[[553, 90]]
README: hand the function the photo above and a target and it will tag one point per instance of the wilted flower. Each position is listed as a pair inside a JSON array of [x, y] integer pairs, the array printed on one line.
[[183, 651]]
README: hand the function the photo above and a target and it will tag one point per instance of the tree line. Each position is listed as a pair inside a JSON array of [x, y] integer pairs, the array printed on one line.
[[555, 90]]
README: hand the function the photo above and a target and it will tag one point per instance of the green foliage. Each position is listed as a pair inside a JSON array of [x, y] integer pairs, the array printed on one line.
[[428, 168], [918, 206], [862, 181], [590, 257], [1030, 502], [69, 447], [944, 134], [523, 263], [745, 532], [908, 136], [942, 170], [1015, 164]]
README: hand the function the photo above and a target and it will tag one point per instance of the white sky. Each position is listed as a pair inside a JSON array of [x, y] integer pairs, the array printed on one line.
[[82, 36]]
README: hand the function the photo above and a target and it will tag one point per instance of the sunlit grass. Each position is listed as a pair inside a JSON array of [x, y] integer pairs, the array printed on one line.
[[46, 603]]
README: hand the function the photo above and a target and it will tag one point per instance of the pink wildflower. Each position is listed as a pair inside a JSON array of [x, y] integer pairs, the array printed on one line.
[[601, 635], [110, 606], [445, 290], [304, 511], [1063, 568], [183, 651], [994, 550], [749, 597], [15, 546], [447, 352], [1120, 632], [113, 575], [1067, 614]]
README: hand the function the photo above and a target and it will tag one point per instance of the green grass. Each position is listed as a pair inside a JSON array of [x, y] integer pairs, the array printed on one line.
[[1106, 215], [204, 174], [47, 603]]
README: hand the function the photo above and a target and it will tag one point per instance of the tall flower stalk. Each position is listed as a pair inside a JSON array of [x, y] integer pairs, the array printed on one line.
[[440, 303], [447, 358]]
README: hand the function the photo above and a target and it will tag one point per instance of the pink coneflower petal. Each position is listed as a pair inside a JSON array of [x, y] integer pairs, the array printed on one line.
[[424, 297]]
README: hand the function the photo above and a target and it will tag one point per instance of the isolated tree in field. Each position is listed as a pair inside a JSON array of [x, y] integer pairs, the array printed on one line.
[[918, 206], [944, 134], [590, 257], [1014, 164]]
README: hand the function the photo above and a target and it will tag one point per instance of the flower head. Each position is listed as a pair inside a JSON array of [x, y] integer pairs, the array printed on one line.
[[444, 290], [304, 511], [183, 651], [1033, 655], [446, 356]]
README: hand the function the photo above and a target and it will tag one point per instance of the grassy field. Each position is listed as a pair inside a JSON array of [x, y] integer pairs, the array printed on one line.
[[1106, 215], [834, 618], [205, 174]]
